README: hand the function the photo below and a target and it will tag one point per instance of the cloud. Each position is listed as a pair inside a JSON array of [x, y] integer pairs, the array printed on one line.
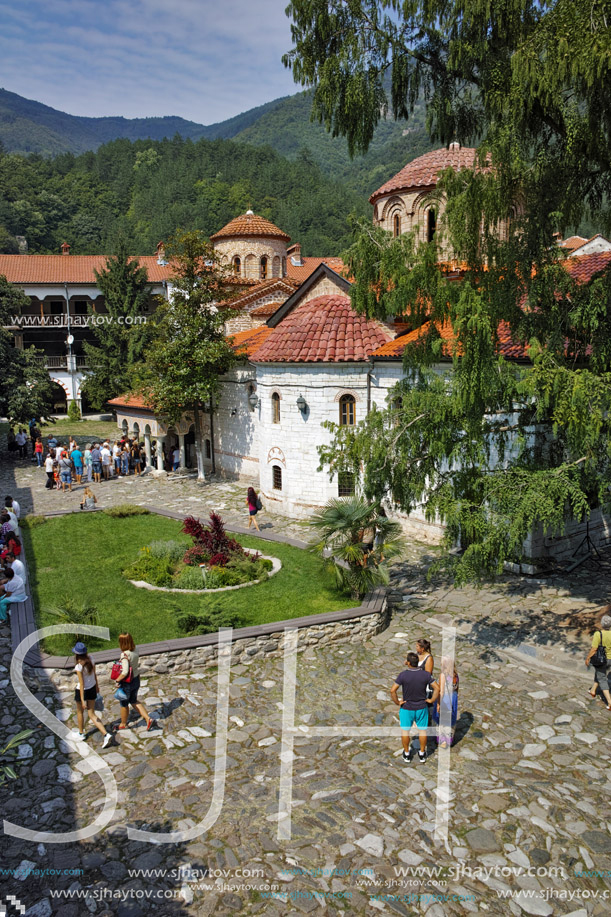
[[200, 59]]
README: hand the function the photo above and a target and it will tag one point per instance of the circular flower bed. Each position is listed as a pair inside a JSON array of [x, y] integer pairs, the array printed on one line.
[[214, 561]]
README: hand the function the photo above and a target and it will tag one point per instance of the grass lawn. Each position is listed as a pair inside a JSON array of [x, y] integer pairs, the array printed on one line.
[[82, 556], [84, 431]]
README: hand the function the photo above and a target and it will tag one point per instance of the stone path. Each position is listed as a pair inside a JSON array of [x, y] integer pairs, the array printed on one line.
[[529, 785]]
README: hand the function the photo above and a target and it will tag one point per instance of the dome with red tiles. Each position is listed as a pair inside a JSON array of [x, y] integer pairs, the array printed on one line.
[[424, 171], [323, 330], [249, 224]]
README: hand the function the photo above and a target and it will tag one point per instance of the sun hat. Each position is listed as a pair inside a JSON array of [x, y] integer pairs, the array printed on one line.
[[79, 649]]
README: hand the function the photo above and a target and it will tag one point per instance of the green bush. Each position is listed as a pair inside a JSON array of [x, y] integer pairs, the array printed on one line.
[[31, 521], [154, 570], [266, 564], [73, 412], [172, 550], [189, 578], [126, 509], [207, 622]]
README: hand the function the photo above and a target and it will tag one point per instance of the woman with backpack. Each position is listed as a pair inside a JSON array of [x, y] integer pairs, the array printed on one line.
[[85, 693], [600, 657], [254, 505], [128, 679]]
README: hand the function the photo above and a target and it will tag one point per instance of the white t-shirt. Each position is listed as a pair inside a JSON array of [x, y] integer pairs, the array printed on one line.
[[15, 586], [58, 452], [88, 677], [18, 568], [105, 456], [116, 450], [176, 455], [16, 509], [48, 466], [13, 518], [21, 439]]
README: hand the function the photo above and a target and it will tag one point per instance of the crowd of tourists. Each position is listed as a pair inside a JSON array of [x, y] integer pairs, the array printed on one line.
[[70, 464], [12, 570]]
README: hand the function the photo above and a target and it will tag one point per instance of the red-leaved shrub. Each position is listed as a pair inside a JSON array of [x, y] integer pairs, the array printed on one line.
[[210, 545]]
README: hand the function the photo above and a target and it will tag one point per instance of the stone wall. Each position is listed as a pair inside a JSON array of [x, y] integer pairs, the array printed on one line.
[[250, 251], [244, 649]]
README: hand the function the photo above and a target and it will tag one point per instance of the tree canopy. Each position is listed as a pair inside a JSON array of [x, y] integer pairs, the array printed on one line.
[[492, 447]]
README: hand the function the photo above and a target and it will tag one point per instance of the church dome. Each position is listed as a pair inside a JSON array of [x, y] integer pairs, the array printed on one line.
[[424, 171], [249, 225]]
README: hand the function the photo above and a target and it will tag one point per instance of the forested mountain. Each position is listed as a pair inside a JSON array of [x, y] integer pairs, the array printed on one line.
[[284, 124], [145, 190]]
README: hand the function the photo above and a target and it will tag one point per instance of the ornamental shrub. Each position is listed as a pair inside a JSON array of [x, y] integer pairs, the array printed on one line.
[[154, 570], [126, 509], [189, 578], [172, 550]]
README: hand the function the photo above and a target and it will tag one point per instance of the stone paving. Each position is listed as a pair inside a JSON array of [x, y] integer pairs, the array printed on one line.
[[528, 801]]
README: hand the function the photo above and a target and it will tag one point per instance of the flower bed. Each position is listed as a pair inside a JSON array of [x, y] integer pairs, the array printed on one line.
[[214, 561]]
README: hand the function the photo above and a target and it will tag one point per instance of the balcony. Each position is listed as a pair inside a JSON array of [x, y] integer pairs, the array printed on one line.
[[61, 362]]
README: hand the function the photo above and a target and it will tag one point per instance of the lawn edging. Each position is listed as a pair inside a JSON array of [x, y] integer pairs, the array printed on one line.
[[350, 625], [276, 568]]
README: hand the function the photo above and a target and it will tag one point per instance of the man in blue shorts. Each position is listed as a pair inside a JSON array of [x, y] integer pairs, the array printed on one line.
[[414, 709]]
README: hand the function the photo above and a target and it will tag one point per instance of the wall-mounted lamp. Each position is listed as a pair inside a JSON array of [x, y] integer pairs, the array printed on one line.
[[253, 401], [302, 404]]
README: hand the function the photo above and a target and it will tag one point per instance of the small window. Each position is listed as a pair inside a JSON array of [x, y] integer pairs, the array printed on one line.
[[277, 477], [208, 449], [346, 411], [80, 307], [396, 225], [284, 267], [275, 408], [431, 225], [263, 270], [345, 484], [57, 307], [237, 264]]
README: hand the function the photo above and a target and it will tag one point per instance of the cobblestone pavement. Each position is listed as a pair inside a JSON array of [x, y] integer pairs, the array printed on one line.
[[528, 784]]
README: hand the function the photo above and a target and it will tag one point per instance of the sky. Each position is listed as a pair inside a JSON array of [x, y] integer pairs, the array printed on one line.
[[204, 60]]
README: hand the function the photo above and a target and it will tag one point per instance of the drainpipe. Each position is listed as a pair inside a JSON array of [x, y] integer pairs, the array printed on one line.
[[212, 436], [369, 372]]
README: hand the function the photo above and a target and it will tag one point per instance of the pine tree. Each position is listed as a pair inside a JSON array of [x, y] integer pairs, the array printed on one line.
[[123, 335]]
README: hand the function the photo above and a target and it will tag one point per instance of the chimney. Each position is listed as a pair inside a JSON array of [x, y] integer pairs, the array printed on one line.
[[160, 252], [65, 248], [294, 253]]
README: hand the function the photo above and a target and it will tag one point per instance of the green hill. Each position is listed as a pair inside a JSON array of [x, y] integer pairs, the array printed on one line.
[[284, 124]]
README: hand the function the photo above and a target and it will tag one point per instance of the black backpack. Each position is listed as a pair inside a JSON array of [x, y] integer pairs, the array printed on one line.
[[599, 659]]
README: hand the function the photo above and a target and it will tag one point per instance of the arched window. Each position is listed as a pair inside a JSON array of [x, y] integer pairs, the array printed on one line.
[[263, 268], [396, 225], [284, 267], [346, 411], [277, 477], [276, 266], [237, 264], [275, 408], [431, 224]]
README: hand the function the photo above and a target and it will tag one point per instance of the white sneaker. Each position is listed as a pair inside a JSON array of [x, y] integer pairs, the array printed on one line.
[[107, 740], [77, 736]]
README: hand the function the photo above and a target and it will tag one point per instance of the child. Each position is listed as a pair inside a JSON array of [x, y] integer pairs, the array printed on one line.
[[89, 499], [445, 711]]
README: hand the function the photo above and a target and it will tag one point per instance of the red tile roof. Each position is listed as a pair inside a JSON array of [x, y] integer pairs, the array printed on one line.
[[323, 330], [249, 224], [130, 400], [394, 349], [582, 269], [70, 268], [424, 171], [264, 288], [246, 342], [572, 243], [266, 310], [301, 272]]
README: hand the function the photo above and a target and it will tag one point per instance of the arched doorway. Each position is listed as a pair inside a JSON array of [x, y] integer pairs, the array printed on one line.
[[59, 398]]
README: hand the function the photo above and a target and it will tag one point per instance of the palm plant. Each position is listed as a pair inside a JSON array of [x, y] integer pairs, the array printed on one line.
[[9, 751], [75, 612], [356, 538]]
